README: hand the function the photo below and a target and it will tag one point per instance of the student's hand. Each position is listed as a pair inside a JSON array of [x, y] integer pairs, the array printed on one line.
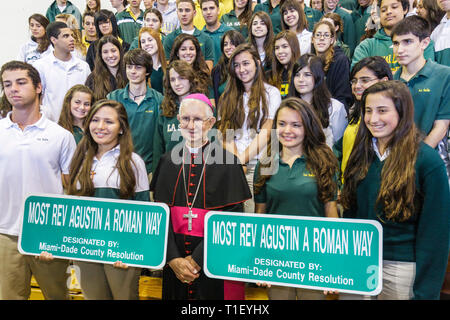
[[184, 270], [45, 256], [120, 265], [263, 284]]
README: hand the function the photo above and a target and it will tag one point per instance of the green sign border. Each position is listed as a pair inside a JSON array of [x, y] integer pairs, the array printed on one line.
[[102, 200], [374, 223]]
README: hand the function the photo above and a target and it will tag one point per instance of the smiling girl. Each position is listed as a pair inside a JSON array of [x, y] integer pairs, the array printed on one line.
[[393, 177], [109, 70], [76, 105], [285, 52], [105, 166], [294, 19], [305, 182], [246, 110], [150, 41], [261, 37]]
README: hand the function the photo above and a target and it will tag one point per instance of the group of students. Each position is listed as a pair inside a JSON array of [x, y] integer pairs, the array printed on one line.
[[267, 83]]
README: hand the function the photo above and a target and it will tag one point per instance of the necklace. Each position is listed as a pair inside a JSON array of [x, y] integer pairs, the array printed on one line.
[[190, 215], [136, 96]]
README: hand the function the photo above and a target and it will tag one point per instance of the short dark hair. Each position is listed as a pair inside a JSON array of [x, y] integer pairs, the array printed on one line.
[[203, 1], [415, 25], [54, 29], [404, 3], [139, 57], [19, 65]]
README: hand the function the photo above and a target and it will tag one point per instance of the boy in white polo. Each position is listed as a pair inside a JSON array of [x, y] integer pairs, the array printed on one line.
[[61, 70], [35, 155]]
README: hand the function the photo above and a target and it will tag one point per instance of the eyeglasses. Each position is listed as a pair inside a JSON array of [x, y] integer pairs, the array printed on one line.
[[325, 35], [363, 80], [184, 120]]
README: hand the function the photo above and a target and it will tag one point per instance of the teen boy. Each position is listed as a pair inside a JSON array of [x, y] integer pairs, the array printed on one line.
[[35, 154], [391, 13], [61, 70], [428, 81], [213, 28], [141, 102]]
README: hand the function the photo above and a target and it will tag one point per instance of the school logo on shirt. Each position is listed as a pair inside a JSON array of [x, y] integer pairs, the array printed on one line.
[[306, 174], [172, 127], [148, 111], [424, 90]]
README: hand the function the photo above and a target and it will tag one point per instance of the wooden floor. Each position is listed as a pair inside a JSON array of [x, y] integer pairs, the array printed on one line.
[[149, 289]]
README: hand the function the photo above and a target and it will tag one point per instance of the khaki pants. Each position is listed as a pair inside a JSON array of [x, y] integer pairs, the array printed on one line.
[[100, 281], [16, 271], [291, 293]]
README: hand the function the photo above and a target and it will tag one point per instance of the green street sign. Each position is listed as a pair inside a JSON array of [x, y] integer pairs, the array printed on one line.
[[294, 251], [95, 229]]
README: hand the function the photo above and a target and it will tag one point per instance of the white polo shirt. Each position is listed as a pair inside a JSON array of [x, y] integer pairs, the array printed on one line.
[[31, 160], [57, 77]]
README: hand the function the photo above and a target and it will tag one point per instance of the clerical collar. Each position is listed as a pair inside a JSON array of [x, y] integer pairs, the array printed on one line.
[[197, 149]]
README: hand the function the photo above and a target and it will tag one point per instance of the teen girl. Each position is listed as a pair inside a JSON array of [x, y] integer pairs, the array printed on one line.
[[104, 165], [179, 81], [294, 19], [150, 41], [261, 37], [308, 83], [39, 45], [105, 24], [305, 182], [76, 105], [272, 8], [395, 178], [109, 70], [285, 53], [365, 73], [187, 47], [336, 63], [219, 74], [152, 19], [247, 109]]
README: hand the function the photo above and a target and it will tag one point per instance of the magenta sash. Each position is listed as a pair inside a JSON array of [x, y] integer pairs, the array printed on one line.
[[180, 224]]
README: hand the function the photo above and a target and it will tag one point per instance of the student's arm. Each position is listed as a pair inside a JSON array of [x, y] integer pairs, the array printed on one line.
[[260, 208], [438, 133], [331, 210], [258, 143]]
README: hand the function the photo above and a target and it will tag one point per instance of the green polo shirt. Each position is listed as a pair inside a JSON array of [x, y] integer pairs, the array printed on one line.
[[157, 80], [142, 119], [313, 16], [359, 16], [167, 135], [430, 91], [129, 25], [216, 37], [77, 133], [231, 20], [206, 43], [290, 191], [347, 35], [275, 15]]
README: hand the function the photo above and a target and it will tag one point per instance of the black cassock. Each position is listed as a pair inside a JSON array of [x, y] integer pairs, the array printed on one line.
[[223, 187]]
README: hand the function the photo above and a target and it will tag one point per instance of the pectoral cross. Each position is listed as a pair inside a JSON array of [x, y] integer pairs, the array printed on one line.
[[190, 215]]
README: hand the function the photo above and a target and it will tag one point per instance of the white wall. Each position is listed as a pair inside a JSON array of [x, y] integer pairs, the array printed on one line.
[[14, 22]]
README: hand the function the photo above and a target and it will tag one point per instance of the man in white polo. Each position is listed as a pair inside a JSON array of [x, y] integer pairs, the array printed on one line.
[[61, 70], [35, 156]]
